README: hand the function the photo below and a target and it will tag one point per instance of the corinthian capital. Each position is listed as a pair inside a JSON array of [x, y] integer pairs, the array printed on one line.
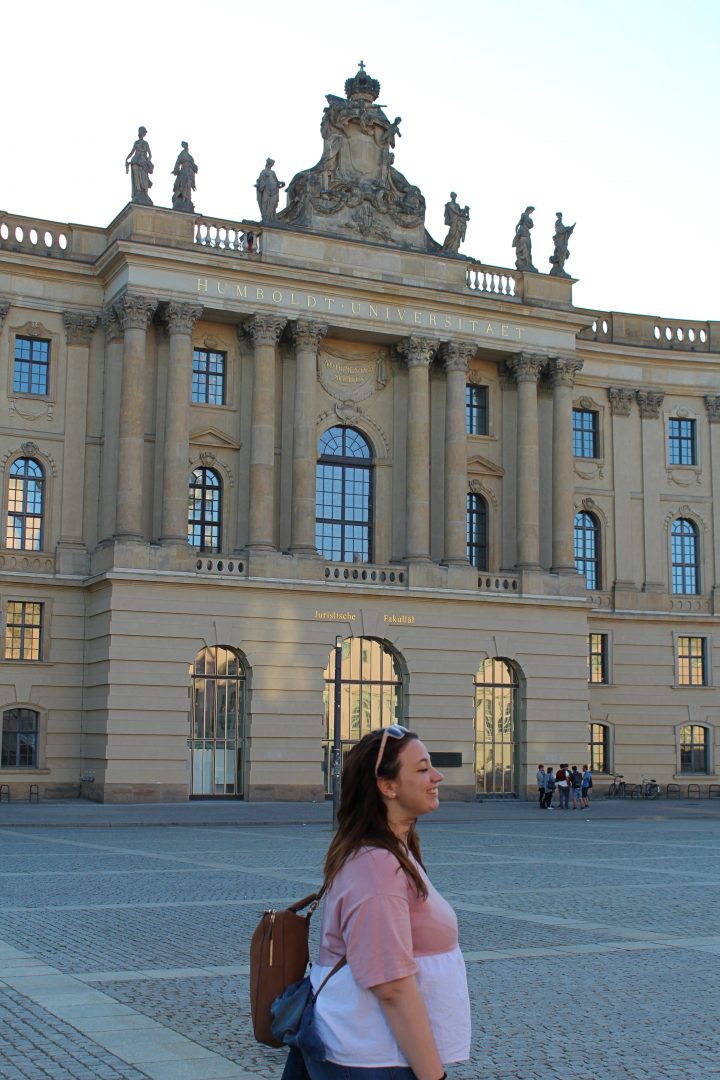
[[563, 369], [110, 323], [457, 355], [418, 351], [650, 402], [712, 404], [264, 329], [4, 308], [181, 318], [525, 367], [307, 334], [134, 312], [621, 399], [79, 327]]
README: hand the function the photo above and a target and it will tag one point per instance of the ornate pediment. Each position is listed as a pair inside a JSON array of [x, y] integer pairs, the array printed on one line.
[[214, 438], [354, 189], [480, 466]]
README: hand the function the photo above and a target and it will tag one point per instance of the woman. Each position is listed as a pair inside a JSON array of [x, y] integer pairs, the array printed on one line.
[[400, 1006], [549, 788], [586, 785]]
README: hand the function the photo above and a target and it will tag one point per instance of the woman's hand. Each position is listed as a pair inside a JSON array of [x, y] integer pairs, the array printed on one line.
[[407, 1016]]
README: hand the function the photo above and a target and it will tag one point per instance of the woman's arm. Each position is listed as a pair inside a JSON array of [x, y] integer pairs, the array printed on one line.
[[407, 1016]]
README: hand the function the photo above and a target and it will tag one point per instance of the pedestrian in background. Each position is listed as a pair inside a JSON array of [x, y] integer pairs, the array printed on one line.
[[576, 779], [586, 785], [540, 775], [562, 778], [549, 788]]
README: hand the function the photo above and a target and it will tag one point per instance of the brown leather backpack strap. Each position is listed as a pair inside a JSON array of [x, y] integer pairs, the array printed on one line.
[[299, 905], [340, 964]]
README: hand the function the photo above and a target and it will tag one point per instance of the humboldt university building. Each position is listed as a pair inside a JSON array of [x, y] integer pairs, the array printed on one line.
[[234, 455]]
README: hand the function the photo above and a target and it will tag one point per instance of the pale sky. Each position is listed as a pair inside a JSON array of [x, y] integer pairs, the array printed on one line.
[[604, 109]]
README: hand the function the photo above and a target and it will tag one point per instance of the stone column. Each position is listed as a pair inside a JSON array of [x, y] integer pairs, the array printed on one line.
[[79, 328], [712, 404], [264, 332], [418, 353], [457, 357], [525, 369], [181, 319], [134, 314], [307, 336], [653, 467], [562, 374], [621, 400], [112, 384]]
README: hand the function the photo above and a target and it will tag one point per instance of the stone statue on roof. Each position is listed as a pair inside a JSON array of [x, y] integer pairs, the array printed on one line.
[[522, 241], [354, 190], [140, 165], [184, 173], [268, 191], [456, 218], [561, 253]]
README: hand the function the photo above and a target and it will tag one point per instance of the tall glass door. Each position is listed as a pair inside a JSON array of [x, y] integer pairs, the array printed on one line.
[[217, 724], [496, 742]]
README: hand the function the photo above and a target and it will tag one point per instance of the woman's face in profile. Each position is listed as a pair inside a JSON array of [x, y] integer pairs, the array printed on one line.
[[416, 784]]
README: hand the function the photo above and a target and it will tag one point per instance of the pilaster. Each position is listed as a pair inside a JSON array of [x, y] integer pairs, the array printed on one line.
[[525, 368], [306, 335], [562, 371], [180, 320], [653, 461], [456, 357], [418, 353], [264, 333], [622, 399]]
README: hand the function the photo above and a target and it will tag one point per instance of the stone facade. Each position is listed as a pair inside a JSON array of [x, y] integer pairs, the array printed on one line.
[[316, 334]]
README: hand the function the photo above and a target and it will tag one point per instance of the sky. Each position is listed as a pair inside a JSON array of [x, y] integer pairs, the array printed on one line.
[[605, 110]]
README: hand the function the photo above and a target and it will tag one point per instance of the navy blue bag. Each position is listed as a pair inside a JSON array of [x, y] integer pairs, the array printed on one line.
[[292, 1015]]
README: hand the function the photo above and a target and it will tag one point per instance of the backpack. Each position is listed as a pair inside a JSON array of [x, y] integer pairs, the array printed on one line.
[[577, 778], [279, 955]]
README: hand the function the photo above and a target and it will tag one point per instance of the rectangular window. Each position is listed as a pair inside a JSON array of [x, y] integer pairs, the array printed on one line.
[[32, 364], [597, 658], [476, 409], [691, 661], [208, 377], [23, 632], [682, 449], [585, 433], [599, 747], [693, 749]]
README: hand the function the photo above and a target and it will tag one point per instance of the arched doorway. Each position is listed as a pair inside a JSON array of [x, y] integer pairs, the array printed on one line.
[[371, 692], [217, 732], [496, 739]]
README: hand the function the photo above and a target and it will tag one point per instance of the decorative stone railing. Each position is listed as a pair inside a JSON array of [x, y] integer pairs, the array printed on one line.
[[648, 331], [215, 564], [501, 583], [34, 561], [370, 575], [50, 238], [227, 236], [494, 281]]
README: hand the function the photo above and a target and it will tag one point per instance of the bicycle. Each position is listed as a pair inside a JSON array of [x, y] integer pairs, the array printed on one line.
[[648, 788], [617, 788]]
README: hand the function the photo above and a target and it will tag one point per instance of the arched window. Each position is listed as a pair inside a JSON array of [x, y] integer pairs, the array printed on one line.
[[25, 505], [496, 741], [587, 549], [693, 749], [217, 734], [204, 510], [685, 568], [477, 531], [343, 496], [370, 695], [19, 739]]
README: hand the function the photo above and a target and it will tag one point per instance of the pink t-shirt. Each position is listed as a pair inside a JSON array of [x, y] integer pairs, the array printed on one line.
[[373, 915]]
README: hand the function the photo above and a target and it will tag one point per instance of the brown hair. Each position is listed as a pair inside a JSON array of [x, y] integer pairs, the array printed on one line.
[[362, 817]]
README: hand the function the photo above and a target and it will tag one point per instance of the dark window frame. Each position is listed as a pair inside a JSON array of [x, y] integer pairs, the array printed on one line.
[[349, 477], [597, 657], [599, 747], [694, 755], [24, 631], [25, 505], [205, 510], [31, 372], [477, 521], [20, 740], [476, 409], [587, 548], [586, 433], [209, 372], [685, 557], [682, 441], [692, 657]]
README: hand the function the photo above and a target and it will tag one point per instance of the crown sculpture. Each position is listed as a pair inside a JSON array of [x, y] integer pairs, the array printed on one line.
[[354, 190]]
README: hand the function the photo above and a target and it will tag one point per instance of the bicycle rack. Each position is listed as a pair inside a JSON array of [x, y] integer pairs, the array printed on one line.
[[714, 791], [34, 793], [693, 791], [4, 793], [636, 791], [672, 791]]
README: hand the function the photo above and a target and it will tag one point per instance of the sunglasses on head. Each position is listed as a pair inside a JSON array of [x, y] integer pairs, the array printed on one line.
[[394, 731]]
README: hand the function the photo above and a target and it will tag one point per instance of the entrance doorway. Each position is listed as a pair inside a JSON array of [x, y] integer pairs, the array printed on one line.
[[371, 689], [496, 744], [217, 731]]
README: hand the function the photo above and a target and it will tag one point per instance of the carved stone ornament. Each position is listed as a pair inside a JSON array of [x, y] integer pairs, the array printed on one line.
[[418, 351], [563, 369], [354, 189], [208, 458], [307, 334], [476, 378], [264, 329], [26, 410], [134, 312], [650, 402], [348, 411], [684, 477], [526, 367], [351, 376], [181, 318], [29, 448], [79, 327], [712, 403], [457, 355], [4, 308], [621, 399], [111, 324]]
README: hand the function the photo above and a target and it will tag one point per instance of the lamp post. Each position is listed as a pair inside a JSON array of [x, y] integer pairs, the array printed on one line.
[[336, 730]]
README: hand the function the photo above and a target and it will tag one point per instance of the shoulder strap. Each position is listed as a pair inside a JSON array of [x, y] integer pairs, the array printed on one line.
[[340, 964], [313, 899]]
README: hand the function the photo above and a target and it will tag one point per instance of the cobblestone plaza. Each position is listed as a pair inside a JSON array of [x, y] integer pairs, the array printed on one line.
[[591, 938]]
